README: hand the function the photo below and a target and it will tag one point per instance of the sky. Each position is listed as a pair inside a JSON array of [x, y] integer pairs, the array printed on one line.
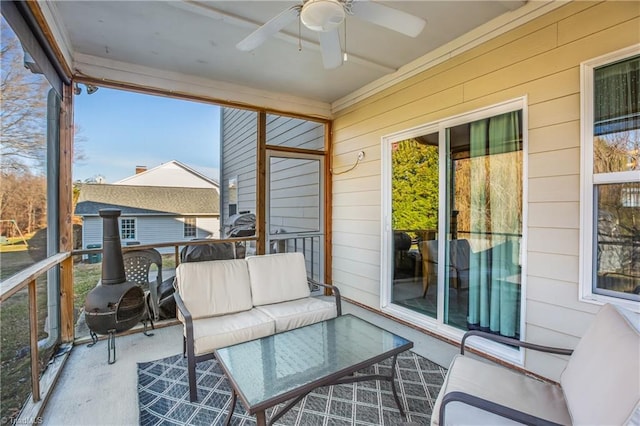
[[119, 130]]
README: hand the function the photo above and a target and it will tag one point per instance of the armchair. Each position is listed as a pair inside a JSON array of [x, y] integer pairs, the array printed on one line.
[[460, 258], [600, 384]]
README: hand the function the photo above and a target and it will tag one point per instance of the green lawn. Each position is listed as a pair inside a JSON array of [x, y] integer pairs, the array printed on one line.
[[15, 350]]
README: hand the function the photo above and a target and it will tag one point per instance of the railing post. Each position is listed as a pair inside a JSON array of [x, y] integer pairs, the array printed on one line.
[[33, 340], [67, 328], [177, 255]]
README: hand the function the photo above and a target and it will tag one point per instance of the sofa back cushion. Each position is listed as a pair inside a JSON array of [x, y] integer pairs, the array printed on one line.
[[277, 278], [214, 287], [601, 382]]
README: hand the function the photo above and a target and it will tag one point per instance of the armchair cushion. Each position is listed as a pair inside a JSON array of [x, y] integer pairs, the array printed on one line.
[[300, 312], [278, 278], [501, 386], [602, 379], [214, 288]]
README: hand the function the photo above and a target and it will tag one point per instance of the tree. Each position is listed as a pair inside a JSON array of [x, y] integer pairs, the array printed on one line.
[[23, 199], [414, 186], [24, 108]]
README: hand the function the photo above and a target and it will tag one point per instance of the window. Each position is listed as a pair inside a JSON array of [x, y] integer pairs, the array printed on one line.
[[233, 196], [128, 229], [610, 257], [189, 227]]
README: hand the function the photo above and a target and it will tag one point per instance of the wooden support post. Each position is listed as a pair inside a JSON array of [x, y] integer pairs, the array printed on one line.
[[177, 255], [261, 184], [33, 340], [65, 220], [328, 205]]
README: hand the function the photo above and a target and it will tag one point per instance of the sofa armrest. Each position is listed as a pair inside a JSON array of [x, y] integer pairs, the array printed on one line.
[[512, 342], [489, 406], [334, 290]]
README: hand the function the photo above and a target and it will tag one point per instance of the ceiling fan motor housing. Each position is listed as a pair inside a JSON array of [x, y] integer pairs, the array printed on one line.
[[322, 15]]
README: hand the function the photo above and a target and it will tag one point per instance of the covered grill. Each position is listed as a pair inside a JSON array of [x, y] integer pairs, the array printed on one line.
[[240, 225]]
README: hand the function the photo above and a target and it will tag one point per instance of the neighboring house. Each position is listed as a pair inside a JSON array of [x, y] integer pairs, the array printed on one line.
[[172, 173], [150, 214]]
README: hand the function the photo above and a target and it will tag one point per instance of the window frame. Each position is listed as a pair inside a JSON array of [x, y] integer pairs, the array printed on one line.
[[191, 224], [134, 221], [590, 180]]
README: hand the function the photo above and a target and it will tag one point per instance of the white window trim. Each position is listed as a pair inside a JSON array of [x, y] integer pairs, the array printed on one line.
[[135, 228], [588, 180], [437, 325]]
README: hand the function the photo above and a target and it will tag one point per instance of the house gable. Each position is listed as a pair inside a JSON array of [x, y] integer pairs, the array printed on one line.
[[170, 174]]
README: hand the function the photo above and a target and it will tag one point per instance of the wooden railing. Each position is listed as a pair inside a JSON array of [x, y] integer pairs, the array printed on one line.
[[175, 244], [27, 279]]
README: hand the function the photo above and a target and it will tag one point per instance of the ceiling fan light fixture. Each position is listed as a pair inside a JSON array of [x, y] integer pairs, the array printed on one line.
[[322, 15]]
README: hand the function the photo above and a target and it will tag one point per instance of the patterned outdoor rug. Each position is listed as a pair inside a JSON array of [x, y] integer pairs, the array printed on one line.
[[163, 396]]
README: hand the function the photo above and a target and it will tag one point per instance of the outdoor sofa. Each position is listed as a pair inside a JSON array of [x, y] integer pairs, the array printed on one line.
[[224, 302], [599, 386]]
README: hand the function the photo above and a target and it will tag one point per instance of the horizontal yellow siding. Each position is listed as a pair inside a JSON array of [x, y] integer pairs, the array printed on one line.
[[539, 60]]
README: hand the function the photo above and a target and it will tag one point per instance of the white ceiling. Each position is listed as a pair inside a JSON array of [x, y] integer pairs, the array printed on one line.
[[199, 38]]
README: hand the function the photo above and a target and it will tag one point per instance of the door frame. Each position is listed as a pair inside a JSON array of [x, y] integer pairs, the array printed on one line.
[[437, 324], [288, 154]]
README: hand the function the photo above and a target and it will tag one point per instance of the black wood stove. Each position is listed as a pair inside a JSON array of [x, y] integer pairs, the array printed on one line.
[[115, 304]]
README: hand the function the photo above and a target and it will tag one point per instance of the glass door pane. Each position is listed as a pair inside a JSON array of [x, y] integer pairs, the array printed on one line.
[[414, 220], [484, 225]]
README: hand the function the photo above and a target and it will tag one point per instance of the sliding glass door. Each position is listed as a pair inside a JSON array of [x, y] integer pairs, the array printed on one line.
[[455, 221]]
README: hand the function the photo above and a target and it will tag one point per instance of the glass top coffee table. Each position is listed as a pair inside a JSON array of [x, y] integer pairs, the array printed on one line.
[[287, 366]]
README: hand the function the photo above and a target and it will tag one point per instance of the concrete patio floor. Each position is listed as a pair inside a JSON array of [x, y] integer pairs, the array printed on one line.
[[91, 392]]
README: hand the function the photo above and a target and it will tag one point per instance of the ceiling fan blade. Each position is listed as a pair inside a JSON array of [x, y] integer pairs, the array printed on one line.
[[271, 27], [388, 17], [331, 50]]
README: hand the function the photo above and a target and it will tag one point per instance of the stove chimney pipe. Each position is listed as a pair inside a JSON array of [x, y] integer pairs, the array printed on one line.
[[112, 262]]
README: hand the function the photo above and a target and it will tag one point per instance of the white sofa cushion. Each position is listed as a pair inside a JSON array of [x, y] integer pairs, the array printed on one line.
[[214, 287], [277, 278], [298, 313], [218, 332], [501, 386], [602, 379]]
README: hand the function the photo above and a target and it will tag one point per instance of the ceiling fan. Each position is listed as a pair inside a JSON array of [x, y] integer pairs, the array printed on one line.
[[325, 16]]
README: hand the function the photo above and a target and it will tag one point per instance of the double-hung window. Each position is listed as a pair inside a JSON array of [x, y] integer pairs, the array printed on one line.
[[610, 222], [189, 227], [128, 229]]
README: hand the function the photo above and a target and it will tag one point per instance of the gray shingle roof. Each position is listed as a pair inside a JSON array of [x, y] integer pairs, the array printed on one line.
[[136, 200]]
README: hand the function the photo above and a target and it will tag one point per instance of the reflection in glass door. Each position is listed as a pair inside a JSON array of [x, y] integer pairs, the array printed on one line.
[[414, 220], [295, 210]]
